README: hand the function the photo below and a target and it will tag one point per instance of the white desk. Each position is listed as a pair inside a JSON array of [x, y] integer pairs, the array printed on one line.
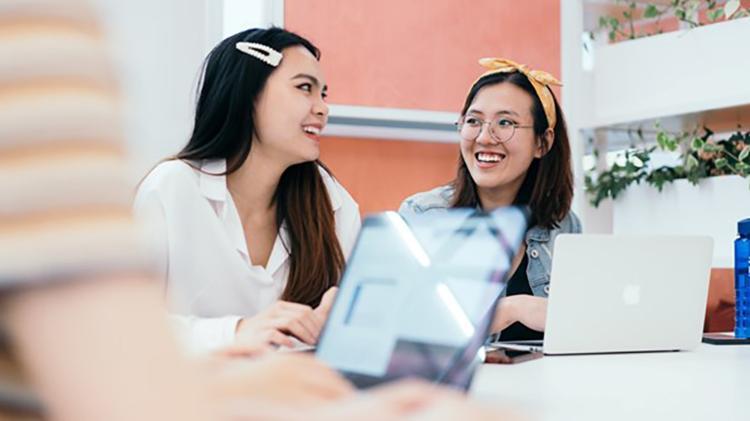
[[710, 383]]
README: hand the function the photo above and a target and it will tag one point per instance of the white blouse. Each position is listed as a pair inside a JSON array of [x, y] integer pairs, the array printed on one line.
[[210, 281]]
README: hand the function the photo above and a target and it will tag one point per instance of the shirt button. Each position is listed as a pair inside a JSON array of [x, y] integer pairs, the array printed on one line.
[[534, 253], [546, 289]]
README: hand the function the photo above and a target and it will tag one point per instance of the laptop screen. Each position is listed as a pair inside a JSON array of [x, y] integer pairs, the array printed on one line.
[[419, 293]]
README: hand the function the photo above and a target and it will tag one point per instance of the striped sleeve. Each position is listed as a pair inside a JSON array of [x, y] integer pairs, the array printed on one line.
[[65, 188]]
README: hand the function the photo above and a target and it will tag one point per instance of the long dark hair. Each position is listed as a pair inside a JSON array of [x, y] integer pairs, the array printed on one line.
[[547, 188], [224, 126]]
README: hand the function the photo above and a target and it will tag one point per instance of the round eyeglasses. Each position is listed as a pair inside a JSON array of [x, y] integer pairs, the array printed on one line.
[[501, 130]]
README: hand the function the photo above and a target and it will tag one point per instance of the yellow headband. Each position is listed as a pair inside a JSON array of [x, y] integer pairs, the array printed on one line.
[[540, 80]]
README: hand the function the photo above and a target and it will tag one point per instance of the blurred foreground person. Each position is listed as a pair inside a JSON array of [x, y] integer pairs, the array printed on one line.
[[84, 332]]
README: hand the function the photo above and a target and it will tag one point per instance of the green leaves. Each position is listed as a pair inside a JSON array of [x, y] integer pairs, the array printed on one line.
[[710, 148], [613, 182], [697, 144], [691, 162], [744, 154], [686, 11], [666, 142], [742, 169], [663, 175], [731, 7], [702, 157], [715, 15], [650, 12]]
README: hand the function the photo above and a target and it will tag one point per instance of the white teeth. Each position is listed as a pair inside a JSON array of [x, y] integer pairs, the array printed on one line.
[[311, 130], [489, 157]]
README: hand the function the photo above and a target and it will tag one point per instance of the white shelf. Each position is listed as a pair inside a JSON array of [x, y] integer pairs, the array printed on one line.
[[711, 208], [392, 124], [620, 136], [683, 80], [689, 74]]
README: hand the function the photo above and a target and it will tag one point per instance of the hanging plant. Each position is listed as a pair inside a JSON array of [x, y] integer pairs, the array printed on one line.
[[624, 25], [701, 157]]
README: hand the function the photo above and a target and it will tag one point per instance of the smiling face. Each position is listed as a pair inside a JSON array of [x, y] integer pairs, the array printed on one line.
[[291, 111], [498, 168]]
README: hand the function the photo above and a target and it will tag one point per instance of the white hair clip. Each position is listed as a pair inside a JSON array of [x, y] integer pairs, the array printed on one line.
[[261, 52]]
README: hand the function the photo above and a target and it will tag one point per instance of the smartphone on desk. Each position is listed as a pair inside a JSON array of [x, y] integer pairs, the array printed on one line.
[[495, 355], [724, 338], [527, 345]]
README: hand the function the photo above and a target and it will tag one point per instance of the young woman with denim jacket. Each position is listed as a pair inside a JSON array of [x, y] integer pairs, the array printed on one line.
[[514, 151]]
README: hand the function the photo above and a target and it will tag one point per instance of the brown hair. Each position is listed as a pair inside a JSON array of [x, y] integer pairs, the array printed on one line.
[[548, 187], [224, 125], [316, 259]]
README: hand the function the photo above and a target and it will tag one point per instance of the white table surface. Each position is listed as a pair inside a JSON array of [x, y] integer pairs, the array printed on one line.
[[710, 383]]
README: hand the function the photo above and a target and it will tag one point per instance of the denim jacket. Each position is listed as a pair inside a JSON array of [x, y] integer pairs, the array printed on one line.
[[540, 241]]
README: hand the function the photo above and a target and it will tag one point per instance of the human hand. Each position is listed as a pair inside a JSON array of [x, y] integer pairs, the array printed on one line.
[[531, 311], [406, 400], [288, 381], [326, 302], [270, 329], [283, 318]]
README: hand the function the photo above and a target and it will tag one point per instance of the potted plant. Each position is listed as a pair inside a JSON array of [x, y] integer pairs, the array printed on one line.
[[705, 194]]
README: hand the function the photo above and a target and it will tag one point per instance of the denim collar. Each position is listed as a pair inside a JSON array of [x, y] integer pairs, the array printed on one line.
[[538, 233]]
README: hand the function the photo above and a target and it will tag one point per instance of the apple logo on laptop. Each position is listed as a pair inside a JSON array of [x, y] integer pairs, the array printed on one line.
[[631, 295]]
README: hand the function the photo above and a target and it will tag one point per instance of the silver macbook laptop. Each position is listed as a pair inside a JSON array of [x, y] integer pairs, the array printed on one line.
[[418, 295], [611, 293]]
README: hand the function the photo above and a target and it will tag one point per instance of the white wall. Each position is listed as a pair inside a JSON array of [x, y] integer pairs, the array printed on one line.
[[159, 47], [239, 15]]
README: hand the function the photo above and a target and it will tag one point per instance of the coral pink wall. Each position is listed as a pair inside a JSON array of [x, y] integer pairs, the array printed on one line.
[[419, 54]]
